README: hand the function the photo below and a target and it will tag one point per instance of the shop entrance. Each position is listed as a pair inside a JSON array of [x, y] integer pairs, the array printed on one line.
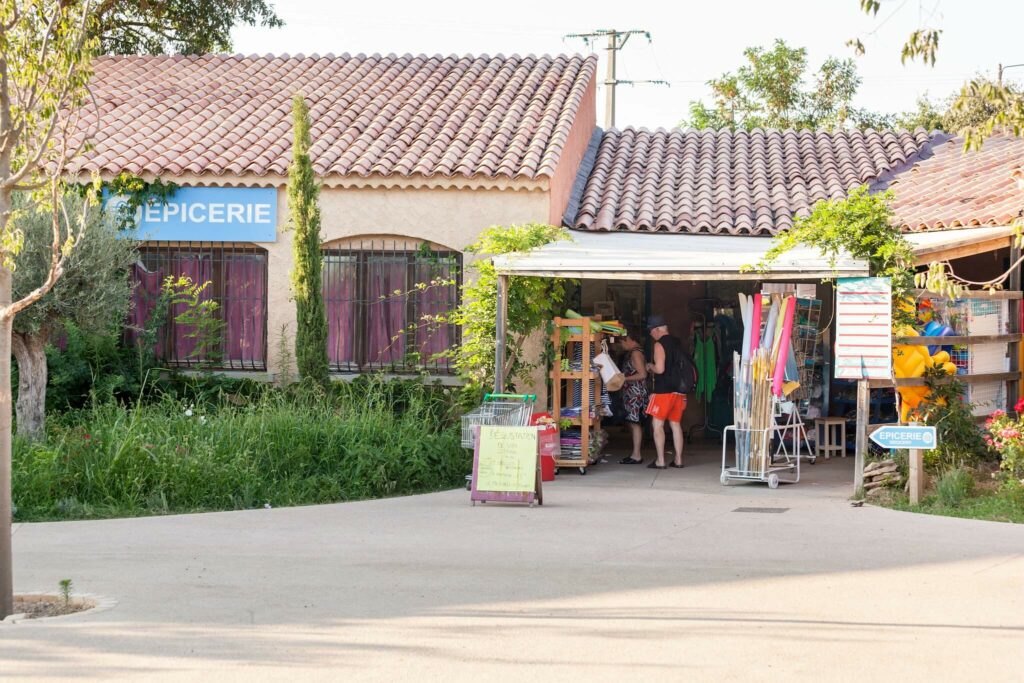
[[705, 317]]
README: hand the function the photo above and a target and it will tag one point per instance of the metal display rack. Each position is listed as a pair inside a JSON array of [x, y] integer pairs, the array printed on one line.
[[768, 468], [808, 349], [568, 335]]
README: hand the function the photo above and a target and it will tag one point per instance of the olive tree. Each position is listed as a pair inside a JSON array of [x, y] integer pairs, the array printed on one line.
[[45, 50], [92, 293]]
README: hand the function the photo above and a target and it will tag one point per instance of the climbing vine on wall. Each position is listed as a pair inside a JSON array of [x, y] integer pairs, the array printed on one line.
[[862, 226], [137, 192]]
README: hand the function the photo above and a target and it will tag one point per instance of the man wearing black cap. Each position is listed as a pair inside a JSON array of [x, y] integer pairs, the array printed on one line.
[[667, 403]]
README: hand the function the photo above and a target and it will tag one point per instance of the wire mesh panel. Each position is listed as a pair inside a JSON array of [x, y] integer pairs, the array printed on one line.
[[387, 302], [495, 413], [236, 279]]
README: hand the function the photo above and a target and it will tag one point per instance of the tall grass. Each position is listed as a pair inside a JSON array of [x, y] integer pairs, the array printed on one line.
[[364, 440], [955, 486]]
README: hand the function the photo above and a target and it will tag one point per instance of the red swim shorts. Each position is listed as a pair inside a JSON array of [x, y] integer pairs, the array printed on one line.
[[668, 407]]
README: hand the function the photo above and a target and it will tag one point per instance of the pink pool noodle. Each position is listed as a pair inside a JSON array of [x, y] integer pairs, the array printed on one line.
[[755, 325], [787, 331]]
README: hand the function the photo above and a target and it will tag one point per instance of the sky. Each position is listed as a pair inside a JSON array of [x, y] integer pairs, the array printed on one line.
[[691, 42]]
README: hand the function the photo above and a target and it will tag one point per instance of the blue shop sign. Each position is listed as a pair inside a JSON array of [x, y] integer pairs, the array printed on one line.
[[208, 214]]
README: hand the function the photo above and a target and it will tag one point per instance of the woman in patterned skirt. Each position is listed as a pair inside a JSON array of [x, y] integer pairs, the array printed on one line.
[[634, 393]]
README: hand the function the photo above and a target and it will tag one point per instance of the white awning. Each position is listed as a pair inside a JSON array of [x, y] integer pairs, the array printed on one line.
[[943, 245], [660, 256]]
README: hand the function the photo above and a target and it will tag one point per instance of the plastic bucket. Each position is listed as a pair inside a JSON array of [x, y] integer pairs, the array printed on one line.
[[547, 468]]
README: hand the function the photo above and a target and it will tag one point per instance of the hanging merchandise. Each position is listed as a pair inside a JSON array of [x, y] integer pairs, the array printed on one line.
[[705, 357], [610, 374]]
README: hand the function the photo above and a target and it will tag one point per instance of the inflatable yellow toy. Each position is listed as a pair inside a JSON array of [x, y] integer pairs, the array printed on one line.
[[912, 361]]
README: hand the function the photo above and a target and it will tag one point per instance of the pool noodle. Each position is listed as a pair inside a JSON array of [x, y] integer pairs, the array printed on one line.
[[787, 331], [755, 324], [745, 317], [769, 329], [779, 323], [792, 371]]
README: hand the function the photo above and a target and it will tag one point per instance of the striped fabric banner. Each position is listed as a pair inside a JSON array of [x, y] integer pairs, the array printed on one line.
[[864, 328]]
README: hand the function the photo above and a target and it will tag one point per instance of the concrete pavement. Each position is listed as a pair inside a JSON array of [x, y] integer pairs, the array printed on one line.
[[624, 574]]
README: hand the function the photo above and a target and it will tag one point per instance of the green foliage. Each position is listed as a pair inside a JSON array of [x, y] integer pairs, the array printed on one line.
[[922, 43], [1002, 104], [954, 486], [1006, 438], [773, 90], [927, 115], [969, 108], [304, 209], [860, 225], [93, 292], [532, 302], [946, 408], [1003, 504], [45, 65], [92, 366], [136, 193], [999, 106], [199, 315], [219, 449], [65, 591], [176, 26]]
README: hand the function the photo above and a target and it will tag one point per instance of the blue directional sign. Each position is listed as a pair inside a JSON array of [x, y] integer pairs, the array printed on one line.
[[905, 436]]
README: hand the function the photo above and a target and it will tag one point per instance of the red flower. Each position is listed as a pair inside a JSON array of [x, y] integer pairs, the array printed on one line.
[[1020, 406], [86, 437]]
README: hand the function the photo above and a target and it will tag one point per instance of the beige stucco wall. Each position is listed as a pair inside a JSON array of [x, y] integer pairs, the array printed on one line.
[[448, 217]]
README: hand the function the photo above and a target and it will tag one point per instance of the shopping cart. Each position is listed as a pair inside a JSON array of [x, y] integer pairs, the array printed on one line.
[[506, 410]]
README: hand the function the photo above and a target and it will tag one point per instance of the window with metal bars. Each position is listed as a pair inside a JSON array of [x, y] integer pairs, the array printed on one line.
[[237, 277], [384, 301]]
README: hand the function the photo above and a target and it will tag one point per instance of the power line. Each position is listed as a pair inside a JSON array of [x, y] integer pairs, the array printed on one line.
[[614, 41]]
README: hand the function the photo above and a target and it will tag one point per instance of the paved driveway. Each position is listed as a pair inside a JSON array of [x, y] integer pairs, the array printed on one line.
[[620, 576]]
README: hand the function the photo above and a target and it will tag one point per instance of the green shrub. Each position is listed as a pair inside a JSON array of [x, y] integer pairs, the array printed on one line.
[[365, 439], [959, 436], [955, 486]]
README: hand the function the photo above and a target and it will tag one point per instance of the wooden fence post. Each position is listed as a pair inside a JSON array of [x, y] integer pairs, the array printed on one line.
[[861, 448]]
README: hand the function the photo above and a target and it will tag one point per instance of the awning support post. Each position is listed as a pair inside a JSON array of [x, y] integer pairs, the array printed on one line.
[[1013, 388], [500, 334]]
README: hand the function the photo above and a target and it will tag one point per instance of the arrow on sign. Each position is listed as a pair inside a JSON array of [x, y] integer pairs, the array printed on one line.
[[905, 436]]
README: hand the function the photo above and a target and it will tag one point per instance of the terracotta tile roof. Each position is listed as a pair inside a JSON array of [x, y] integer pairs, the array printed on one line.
[[492, 117], [704, 181], [950, 188]]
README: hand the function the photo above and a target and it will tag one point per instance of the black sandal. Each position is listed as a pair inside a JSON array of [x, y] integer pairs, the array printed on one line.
[[678, 467], [630, 461], [655, 466]]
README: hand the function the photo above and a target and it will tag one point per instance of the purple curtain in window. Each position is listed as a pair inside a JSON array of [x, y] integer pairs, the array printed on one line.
[[200, 271], [145, 294], [244, 309], [340, 297], [385, 311], [436, 299]]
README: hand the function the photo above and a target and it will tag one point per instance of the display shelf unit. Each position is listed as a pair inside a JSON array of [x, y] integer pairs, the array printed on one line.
[[989, 326], [588, 377]]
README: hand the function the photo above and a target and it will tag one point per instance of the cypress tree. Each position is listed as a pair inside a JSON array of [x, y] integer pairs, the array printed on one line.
[[304, 214]]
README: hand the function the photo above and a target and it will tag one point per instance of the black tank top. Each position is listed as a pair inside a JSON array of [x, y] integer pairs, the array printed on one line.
[[668, 381]]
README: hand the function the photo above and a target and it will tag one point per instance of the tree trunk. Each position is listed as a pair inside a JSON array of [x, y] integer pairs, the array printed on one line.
[[30, 352]]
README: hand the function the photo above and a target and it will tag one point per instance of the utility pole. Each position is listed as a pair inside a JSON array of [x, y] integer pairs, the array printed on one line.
[[615, 41], [1001, 69]]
